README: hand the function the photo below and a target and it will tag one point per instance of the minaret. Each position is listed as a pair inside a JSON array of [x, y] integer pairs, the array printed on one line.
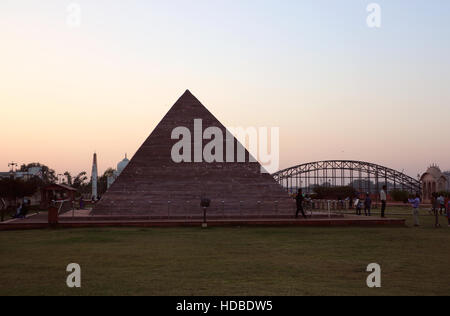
[[94, 178]]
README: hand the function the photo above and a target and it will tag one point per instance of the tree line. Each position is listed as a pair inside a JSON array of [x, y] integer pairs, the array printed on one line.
[[17, 188]]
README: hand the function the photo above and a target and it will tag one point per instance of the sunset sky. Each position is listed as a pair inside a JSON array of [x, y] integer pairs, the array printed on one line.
[[336, 88]]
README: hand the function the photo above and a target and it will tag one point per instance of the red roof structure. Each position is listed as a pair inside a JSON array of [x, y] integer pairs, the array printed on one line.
[[53, 192]]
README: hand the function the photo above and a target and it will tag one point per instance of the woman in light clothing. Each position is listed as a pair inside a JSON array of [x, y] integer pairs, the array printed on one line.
[[415, 203]]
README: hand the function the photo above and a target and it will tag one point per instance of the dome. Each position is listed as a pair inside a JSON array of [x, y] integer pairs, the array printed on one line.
[[435, 171], [122, 165]]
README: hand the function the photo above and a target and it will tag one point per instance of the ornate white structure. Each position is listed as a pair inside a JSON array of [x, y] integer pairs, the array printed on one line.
[[433, 180], [94, 178], [120, 167]]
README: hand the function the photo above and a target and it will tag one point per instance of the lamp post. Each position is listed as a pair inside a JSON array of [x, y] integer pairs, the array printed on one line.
[[205, 203], [12, 165], [12, 172]]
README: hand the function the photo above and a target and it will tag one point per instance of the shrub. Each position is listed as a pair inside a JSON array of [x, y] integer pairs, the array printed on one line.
[[399, 195], [340, 192]]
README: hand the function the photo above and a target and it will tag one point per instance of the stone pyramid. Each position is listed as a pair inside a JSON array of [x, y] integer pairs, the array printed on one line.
[[153, 184]]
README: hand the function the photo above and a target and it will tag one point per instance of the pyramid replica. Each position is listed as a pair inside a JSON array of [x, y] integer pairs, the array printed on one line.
[[153, 184]]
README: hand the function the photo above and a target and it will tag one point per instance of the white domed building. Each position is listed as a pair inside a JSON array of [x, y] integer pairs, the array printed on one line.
[[433, 180], [120, 167]]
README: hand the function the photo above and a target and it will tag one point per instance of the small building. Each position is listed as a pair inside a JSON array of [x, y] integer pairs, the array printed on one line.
[[4, 175], [24, 175], [433, 180], [56, 192], [120, 167], [447, 176]]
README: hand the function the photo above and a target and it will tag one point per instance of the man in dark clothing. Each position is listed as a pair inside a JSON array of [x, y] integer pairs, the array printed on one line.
[[299, 198], [367, 205], [383, 198]]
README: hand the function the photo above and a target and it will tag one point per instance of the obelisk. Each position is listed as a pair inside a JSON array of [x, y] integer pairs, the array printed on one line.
[[94, 178]]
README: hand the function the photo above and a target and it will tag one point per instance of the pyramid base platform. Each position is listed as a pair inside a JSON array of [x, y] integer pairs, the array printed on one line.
[[39, 222]]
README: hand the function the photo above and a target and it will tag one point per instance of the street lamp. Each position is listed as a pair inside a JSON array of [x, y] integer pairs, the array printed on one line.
[[12, 165], [205, 203]]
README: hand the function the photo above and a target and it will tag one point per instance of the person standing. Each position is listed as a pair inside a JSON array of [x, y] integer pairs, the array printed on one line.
[[441, 204], [448, 212], [81, 203], [383, 198], [415, 203], [24, 211], [367, 205], [358, 205], [18, 211], [435, 202], [299, 199]]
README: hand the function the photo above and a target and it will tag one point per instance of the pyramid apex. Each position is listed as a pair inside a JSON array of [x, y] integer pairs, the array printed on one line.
[[188, 97]]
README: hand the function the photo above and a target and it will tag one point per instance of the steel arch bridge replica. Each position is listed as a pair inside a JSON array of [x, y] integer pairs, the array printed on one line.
[[363, 176]]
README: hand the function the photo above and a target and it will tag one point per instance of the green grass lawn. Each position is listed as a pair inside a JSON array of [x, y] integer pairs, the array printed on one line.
[[228, 261]]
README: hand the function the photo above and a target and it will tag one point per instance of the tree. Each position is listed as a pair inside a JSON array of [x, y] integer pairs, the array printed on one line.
[[103, 181], [80, 180], [399, 195], [16, 188], [329, 192]]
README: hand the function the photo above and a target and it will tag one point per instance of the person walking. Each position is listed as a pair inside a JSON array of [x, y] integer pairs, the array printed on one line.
[[299, 199], [367, 205], [383, 198], [415, 203]]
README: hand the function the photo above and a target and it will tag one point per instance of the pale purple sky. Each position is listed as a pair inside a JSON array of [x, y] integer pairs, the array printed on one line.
[[336, 88]]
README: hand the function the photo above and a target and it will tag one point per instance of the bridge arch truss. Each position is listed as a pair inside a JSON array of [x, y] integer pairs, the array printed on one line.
[[364, 176]]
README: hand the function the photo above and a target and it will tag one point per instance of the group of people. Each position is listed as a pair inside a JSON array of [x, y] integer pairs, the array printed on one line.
[[359, 203], [366, 202], [438, 202], [439, 206]]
